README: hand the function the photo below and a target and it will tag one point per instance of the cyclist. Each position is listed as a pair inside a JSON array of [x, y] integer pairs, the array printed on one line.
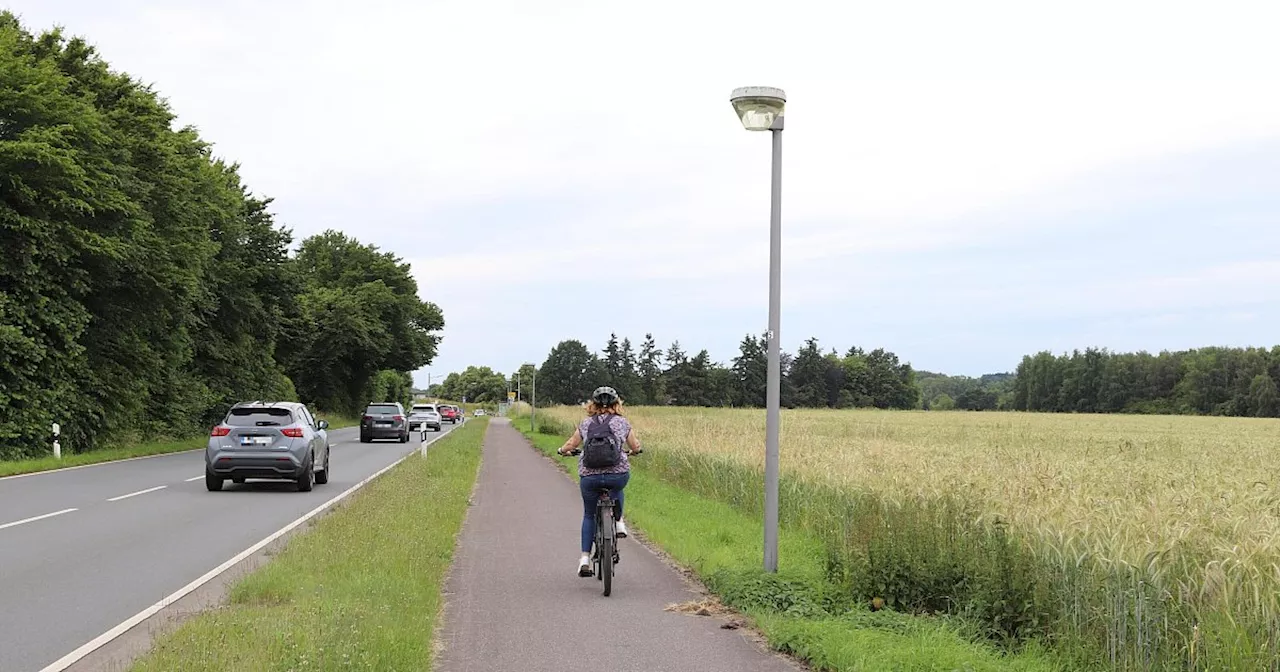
[[604, 406]]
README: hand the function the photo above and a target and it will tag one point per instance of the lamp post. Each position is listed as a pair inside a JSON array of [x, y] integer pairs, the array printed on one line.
[[533, 395], [761, 108]]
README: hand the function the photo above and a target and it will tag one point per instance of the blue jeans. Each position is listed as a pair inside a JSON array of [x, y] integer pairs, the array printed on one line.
[[591, 487]]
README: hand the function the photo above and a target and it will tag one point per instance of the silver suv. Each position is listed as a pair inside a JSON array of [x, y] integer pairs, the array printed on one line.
[[424, 416], [272, 440]]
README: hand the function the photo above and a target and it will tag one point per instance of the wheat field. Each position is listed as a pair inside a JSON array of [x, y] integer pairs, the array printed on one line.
[[1186, 507]]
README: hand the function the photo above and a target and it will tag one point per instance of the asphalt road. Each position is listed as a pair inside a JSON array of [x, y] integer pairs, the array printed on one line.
[[67, 578], [514, 600]]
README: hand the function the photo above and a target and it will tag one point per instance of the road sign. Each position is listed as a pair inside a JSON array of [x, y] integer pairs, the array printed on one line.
[[511, 396]]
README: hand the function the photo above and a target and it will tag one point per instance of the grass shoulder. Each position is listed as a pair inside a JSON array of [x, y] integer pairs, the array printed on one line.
[[145, 449], [359, 590], [797, 609]]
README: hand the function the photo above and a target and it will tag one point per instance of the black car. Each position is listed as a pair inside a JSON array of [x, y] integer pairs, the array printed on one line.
[[384, 420]]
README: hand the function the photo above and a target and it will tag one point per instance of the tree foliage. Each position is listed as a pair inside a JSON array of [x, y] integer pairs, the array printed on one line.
[[672, 377], [478, 384], [1205, 381], [1210, 381], [143, 288]]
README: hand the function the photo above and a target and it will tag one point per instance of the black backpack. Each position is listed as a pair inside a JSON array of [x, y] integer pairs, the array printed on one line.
[[601, 449]]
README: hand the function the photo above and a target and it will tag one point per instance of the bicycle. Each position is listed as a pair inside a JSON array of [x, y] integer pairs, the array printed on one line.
[[606, 541]]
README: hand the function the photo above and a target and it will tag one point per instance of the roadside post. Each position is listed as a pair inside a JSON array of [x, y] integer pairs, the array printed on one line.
[[57, 441]]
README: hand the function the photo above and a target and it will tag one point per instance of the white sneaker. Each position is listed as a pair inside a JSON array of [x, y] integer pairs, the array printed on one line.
[[622, 530], [584, 565]]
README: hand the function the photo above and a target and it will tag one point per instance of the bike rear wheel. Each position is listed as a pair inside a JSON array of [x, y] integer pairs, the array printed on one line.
[[605, 548]]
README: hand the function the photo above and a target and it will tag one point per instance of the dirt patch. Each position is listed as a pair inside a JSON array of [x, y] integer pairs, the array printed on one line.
[[705, 607]]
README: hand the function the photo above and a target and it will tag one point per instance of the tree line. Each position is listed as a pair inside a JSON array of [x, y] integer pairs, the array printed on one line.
[[144, 288], [1204, 381], [650, 375]]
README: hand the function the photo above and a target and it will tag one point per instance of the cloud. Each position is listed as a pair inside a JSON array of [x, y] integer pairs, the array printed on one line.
[[962, 183]]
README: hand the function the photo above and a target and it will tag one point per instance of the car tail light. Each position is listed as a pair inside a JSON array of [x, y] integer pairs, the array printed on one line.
[[397, 418], [220, 431], [367, 417], [292, 432]]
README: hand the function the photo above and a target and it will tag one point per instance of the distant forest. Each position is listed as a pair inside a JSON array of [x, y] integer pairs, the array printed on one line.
[[1204, 381]]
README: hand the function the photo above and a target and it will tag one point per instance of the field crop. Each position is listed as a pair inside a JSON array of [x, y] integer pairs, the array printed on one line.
[[1130, 542]]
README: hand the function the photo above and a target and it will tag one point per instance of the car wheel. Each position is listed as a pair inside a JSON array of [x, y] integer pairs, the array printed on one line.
[[322, 476], [211, 481], [365, 438], [307, 479]]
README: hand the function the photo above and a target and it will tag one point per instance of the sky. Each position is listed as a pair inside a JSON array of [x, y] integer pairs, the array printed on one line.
[[963, 183]]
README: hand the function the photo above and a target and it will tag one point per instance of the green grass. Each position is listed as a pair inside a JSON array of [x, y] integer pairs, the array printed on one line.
[[162, 447], [13, 467], [360, 590], [338, 421], [798, 609]]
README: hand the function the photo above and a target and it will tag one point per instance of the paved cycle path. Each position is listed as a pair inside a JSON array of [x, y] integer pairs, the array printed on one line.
[[514, 600]]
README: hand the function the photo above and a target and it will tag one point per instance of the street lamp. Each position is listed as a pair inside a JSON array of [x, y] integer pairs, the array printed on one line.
[[533, 395], [761, 108]]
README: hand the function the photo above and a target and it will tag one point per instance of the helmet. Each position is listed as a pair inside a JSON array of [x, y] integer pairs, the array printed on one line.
[[605, 396]]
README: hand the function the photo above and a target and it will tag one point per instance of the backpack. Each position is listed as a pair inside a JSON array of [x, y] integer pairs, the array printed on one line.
[[601, 449]]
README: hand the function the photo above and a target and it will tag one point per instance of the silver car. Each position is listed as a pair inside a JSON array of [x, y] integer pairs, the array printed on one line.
[[271, 440], [424, 416]]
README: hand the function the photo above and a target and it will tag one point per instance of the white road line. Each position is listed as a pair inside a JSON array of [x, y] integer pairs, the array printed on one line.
[[35, 518], [68, 660], [135, 494], [193, 479], [59, 470]]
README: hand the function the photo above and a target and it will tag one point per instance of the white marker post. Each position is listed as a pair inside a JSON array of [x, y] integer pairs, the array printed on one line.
[[57, 445]]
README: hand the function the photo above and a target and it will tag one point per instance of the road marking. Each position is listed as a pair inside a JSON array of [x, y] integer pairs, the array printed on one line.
[[97, 642], [193, 479], [35, 518], [59, 470], [135, 494]]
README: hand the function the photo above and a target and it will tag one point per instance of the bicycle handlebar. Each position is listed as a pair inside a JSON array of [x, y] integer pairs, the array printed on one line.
[[578, 451]]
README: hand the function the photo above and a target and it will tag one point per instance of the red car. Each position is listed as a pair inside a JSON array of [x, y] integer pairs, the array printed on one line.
[[449, 414]]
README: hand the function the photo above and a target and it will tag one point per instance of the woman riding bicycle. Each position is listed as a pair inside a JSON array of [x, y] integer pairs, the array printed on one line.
[[604, 407]]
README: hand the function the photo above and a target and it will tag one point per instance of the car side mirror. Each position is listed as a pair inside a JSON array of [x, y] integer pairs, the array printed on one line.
[[324, 424]]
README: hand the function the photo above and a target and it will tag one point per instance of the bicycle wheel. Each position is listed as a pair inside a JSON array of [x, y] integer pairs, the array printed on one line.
[[606, 549], [595, 560]]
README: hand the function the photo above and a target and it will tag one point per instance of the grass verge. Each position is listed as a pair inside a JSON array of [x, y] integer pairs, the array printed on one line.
[[145, 449], [359, 590], [798, 610], [49, 463]]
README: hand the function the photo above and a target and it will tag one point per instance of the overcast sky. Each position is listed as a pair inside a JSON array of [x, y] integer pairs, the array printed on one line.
[[964, 183]]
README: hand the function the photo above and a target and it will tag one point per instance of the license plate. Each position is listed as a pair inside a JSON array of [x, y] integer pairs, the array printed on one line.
[[255, 440], [382, 424]]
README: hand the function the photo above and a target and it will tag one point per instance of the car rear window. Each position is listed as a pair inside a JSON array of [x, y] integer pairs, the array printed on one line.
[[381, 408], [259, 417], [424, 408]]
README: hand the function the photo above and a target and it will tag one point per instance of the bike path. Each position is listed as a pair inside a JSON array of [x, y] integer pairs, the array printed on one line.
[[514, 600]]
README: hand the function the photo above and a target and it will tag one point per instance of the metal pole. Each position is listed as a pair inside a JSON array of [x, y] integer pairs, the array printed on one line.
[[533, 397], [774, 381]]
